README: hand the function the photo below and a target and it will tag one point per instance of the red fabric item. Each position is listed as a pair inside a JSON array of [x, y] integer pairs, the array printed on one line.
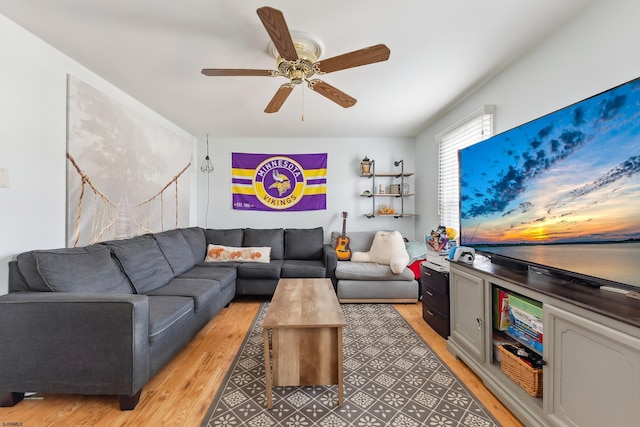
[[415, 267]]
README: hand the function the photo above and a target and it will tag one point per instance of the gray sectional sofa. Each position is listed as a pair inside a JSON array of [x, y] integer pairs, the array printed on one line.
[[105, 318], [360, 282]]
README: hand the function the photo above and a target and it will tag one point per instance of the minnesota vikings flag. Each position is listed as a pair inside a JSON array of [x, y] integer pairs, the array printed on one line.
[[279, 182]]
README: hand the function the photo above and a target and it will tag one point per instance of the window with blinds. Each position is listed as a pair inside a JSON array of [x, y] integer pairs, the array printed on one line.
[[468, 131]]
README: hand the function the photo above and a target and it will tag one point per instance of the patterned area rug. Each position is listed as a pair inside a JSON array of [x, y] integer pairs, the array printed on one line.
[[391, 378]]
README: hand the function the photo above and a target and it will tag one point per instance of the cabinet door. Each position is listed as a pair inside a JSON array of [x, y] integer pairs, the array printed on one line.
[[592, 373], [467, 295]]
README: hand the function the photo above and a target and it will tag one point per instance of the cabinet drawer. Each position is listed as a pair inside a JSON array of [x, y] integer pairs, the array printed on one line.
[[434, 279], [435, 300], [437, 321]]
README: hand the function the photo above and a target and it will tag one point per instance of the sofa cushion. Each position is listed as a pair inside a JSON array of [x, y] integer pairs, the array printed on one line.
[[369, 271], [224, 274], [203, 291], [167, 314], [86, 269], [359, 241], [272, 237], [197, 242], [29, 269], [303, 268], [377, 290], [228, 237], [220, 253], [303, 243], [143, 262], [176, 250], [251, 270]]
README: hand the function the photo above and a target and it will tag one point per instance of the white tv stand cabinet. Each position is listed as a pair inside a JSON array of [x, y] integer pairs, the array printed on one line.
[[591, 346]]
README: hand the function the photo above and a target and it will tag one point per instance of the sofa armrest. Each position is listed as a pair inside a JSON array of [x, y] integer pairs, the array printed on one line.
[[74, 343], [330, 259]]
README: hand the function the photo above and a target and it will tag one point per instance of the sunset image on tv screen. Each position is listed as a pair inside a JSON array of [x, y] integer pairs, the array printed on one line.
[[570, 176]]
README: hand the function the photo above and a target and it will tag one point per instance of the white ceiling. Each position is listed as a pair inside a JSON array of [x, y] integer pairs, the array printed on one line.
[[154, 51]]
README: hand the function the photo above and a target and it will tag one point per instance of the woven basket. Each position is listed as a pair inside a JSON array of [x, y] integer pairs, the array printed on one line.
[[524, 375]]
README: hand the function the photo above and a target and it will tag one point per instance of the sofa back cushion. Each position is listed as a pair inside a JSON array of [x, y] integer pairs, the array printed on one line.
[[86, 269], [303, 243], [225, 237], [29, 270], [272, 237], [143, 262], [176, 250], [197, 241], [359, 241]]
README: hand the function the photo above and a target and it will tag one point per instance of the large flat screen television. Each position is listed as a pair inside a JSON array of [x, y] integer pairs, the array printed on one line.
[[561, 193]]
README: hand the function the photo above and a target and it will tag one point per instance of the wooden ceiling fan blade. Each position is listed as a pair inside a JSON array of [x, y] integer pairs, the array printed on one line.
[[278, 99], [331, 93], [368, 55], [235, 72], [276, 26]]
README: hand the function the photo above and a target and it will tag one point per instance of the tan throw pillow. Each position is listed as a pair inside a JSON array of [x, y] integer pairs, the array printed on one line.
[[219, 253]]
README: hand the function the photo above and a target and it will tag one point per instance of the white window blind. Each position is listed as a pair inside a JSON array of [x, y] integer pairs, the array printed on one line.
[[468, 131]]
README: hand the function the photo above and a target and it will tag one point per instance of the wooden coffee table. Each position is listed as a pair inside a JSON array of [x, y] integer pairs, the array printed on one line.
[[306, 321]]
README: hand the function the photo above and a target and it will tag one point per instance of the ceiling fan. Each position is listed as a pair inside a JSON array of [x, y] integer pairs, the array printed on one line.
[[298, 62]]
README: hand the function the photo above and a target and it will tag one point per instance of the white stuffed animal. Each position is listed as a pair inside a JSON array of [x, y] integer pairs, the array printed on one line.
[[387, 248]]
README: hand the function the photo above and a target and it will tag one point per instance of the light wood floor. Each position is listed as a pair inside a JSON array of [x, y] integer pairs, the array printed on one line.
[[180, 394]]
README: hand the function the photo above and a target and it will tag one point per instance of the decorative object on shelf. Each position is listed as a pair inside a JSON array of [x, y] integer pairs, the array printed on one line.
[[441, 240], [386, 210], [365, 166], [405, 188], [381, 189]]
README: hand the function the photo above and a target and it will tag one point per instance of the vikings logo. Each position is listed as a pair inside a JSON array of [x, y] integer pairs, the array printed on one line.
[[281, 182]]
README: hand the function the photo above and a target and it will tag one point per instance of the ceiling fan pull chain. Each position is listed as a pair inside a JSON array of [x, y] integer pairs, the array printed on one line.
[[302, 103]]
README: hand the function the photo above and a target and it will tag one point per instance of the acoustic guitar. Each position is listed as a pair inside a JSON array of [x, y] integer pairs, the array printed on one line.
[[342, 246]]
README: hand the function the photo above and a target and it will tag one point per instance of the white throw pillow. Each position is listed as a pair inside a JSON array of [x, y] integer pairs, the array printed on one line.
[[387, 248]]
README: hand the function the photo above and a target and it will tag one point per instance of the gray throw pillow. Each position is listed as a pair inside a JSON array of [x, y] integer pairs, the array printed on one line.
[[88, 269]]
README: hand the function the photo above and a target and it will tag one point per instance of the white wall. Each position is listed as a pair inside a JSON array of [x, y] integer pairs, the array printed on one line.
[[33, 141], [344, 185], [594, 52]]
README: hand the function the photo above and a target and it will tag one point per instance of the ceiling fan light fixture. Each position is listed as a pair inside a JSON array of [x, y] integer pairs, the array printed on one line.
[[297, 76], [306, 44]]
